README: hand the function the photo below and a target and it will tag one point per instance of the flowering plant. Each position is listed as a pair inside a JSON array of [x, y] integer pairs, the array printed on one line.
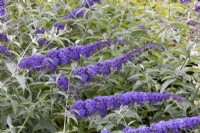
[[104, 66]]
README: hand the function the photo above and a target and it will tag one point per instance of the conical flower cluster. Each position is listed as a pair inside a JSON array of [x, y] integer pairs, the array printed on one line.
[[4, 50], [62, 81], [3, 37], [197, 8], [173, 126], [104, 67], [101, 104], [183, 1], [2, 10], [79, 12], [41, 41], [55, 58]]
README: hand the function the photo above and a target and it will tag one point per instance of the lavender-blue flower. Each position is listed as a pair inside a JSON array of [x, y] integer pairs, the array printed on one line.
[[105, 131], [79, 12], [2, 11], [40, 31], [101, 104], [57, 6], [104, 67], [3, 37], [192, 23], [183, 1], [41, 41], [2, 3], [89, 3], [173, 126], [62, 81], [2, 8], [197, 8], [4, 50], [33, 62], [55, 58], [59, 26]]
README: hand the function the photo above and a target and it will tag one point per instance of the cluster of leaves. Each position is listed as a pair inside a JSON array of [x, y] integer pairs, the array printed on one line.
[[32, 101]]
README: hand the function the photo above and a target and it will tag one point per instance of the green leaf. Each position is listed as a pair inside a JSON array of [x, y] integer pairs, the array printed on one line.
[[44, 123], [15, 106], [12, 67], [166, 84], [21, 80], [9, 122], [180, 25]]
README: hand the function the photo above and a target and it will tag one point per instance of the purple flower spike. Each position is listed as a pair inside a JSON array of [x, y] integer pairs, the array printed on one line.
[[2, 8], [62, 81], [101, 104], [57, 6], [191, 23], [59, 26], [75, 14], [104, 67], [183, 1], [89, 3], [2, 3], [79, 12], [40, 31], [55, 58], [141, 27], [42, 41], [89, 49], [33, 62], [2, 11], [173, 125], [4, 50], [197, 8], [105, 131], [141, 129], [3, 37]]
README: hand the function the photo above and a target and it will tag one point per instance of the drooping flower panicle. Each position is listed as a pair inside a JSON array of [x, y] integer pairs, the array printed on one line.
[[79, 12], [55, 58], [89, 3], [141, 129], [4, 50], [3, 37], [40, 31], [183, 1], [62, 81], [2, 3], [101, 104], [197, 8], [105, 131], [41, 41], [192, 23], [172, 126], [104, 67], [2, 10]]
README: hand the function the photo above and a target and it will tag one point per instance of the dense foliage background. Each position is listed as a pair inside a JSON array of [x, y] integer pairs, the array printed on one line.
[[33, 101]]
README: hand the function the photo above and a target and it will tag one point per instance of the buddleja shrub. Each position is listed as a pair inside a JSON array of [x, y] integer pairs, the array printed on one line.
[[99, 66]]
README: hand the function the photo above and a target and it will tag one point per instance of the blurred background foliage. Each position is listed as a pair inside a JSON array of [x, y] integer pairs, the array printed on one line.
[[31, 102]]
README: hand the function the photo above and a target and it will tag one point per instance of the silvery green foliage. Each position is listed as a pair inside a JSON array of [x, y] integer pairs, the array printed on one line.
[[40, 101]]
